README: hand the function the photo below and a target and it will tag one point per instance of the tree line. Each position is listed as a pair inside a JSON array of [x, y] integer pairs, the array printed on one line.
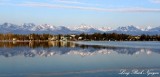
[[83, 36], [118, 37], [10, 36]]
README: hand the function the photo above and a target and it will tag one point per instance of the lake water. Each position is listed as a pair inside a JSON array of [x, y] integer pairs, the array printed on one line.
[[80, 59]]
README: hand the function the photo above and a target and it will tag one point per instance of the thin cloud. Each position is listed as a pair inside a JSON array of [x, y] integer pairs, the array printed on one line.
[[74, 2], [155, 1], [90, 8], [70, 2], [3, 2]]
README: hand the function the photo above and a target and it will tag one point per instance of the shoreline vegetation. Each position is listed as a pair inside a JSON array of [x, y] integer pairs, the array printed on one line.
[[9, 37]]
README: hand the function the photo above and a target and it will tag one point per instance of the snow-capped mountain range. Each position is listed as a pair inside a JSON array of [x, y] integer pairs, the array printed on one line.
[[28, 28]]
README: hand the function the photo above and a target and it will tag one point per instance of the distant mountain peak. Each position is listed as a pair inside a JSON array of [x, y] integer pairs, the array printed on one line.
[[144, 28], [83, 27], [128, 28], [105, 29], [27, 28], [7, 24], [155, 29]]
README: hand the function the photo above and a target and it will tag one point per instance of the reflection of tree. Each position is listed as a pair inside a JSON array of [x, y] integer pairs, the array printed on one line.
[[36, 44], [39, 44], [12, 44], [31, 49]]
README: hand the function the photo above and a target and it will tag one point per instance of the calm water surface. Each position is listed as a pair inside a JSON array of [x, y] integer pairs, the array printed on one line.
[[80, 59]]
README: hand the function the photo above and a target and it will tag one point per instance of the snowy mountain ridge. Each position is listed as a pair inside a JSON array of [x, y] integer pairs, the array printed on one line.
[[27, 28]]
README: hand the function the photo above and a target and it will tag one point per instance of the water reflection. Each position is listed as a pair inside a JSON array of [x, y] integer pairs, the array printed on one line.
[[35, 44], [31, 49]]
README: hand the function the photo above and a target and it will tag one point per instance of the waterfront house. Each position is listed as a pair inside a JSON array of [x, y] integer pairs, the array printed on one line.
[[14, 39], [54, 38]]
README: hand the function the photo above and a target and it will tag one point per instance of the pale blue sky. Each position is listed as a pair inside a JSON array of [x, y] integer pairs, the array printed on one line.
[[111, 13]]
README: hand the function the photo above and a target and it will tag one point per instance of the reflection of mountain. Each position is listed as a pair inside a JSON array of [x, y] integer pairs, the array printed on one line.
[[31, 49]]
